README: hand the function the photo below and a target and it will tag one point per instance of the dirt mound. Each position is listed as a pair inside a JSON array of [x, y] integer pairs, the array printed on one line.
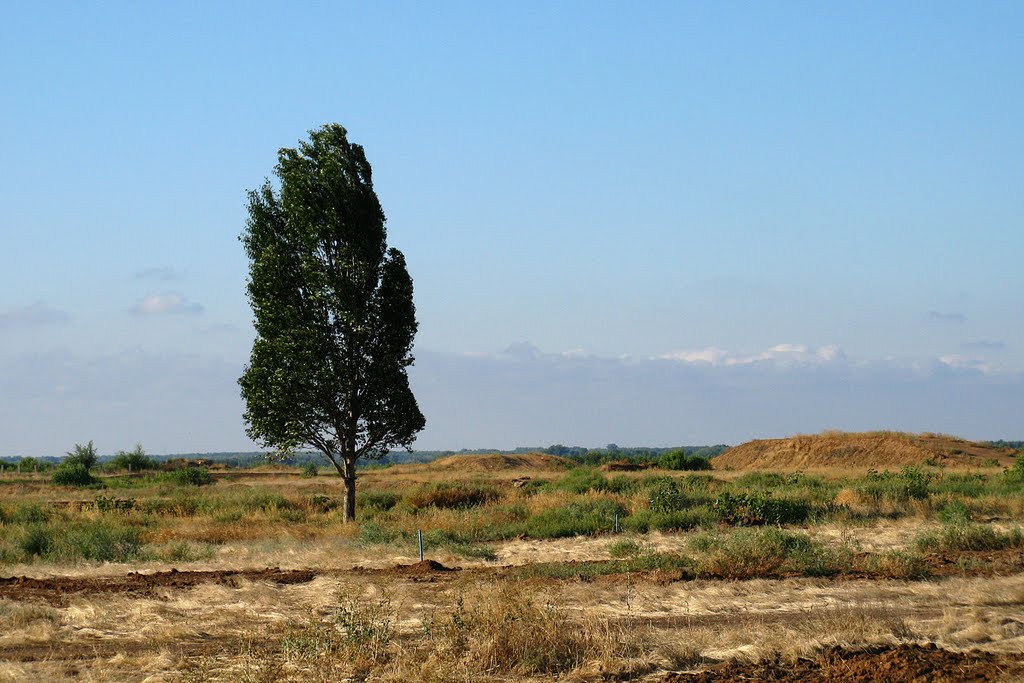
[[56, 590], [868, 449], [901, 664], [495, 462]]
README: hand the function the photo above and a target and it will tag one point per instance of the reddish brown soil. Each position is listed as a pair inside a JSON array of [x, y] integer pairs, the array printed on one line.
[[872, 449], [57, 590], [901, 664]]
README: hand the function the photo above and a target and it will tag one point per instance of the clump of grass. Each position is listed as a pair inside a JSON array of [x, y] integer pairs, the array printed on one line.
[[748, 553], [91, 540], [963, 536], [625, 547], [757, 509], [642, 562], [897, 564], [380, 501], [583, 518], [583, 480], [190, 476], [643, 521], [452, 495], [910, 483]]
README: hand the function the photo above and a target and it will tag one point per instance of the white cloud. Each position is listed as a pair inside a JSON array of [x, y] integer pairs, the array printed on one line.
[[778, 355], [32, 315], [165, 303]]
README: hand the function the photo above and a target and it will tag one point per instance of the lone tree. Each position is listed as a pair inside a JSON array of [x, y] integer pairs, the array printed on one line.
[[333, 311]]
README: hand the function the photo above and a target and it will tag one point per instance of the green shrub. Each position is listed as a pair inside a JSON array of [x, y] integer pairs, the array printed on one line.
[[371, 533], [961, 537], [583, 518], [909, 483], [72, 474], [748, 553], [86, 456], [955, 513], [84, 540], [756, 509], [582, 480], [310, 470], [134, 460], [667, 496], [190, 476], [678, 460], [626, 547], [378, 500]]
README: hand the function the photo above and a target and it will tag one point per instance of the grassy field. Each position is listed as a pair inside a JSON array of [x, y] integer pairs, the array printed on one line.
[[536, 570]]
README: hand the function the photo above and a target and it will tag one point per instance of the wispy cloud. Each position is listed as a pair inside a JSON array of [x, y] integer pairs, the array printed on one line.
[[166, 303], [32, 315], [780, 354], [707, 395], [161, 273], [944, 317]]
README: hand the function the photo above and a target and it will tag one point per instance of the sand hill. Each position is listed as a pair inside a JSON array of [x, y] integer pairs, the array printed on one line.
[[493, 462], [859, 450]]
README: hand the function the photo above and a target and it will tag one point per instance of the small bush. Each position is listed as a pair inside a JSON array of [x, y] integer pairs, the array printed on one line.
[[678, 460], [749, 553], [583, 480], [190, 476], [72, 474], [909, 484], [583, 518], [756, 509], [960, 537], [134, 460], [898, 564], [86, 456], [310, 470], [87, 540], [626, 547], [378, 500]]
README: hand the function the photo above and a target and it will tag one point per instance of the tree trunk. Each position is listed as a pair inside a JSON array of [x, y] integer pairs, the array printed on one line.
[[349, 477]]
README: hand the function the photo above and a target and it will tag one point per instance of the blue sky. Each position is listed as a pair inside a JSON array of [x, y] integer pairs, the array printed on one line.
[[691, 222]]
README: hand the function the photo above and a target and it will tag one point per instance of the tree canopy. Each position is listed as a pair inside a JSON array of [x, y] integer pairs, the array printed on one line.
[[333, 311]]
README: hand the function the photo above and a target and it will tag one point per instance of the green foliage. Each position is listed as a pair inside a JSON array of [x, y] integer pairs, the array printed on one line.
[[310, 470], [679, 460], [584, 518], [333, 308], [97, 541], [190, 476], [86, 456], [72, 474], [668, 496], [964, 536], [756, 509], [32, 465], [643, 521], [378, 500], [748, 553], [582, 480], [911, 483], [134, 460]]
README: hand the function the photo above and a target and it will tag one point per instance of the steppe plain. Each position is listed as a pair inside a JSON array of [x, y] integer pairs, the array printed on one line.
[[877, 557]]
